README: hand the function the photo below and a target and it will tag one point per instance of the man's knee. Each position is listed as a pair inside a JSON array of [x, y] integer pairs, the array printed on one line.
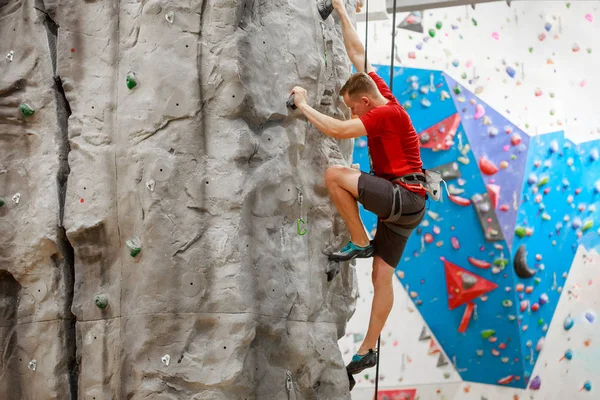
[[383, 273], [332, 174]]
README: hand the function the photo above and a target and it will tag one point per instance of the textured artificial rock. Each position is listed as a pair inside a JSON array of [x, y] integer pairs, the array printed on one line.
[[200, 165]]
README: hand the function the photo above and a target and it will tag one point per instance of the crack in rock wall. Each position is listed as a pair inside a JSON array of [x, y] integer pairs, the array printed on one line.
[[153, 248]]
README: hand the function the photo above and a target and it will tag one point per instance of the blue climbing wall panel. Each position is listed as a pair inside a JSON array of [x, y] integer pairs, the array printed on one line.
[[452, 232], [552, 215]]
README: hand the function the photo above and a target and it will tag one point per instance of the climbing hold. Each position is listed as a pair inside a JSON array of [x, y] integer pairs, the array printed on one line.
[[590, 316], [461, 201], [553, 146], [543, 298], [594, 156], [543, 181], [507, 303], [506, 380], [101, 301], [468, 281], [520, 232], [535, 307], [442, 361], [524, 304], [466, 318], [32, 365], [444, 95], [568, 324], [576, 224], [548, 26], [479, 111], [540, 344], [16, 198], [407, 105], [438, 25], [432, 33], [487, 167], [479, 263], [166, 359], [455, 243], [494, 193], [511, 71], [26, 109], [131, 80], [588, 224], [589, 17], [457, 89], [568, 355], [536, 383], [515, 139], [542, 37], [493, 131], [520, 261], [486, 120], [532, 179], [575, 48], [134, 246], [486, 334], [10, 56], [428, 238], [587, 386], [426, 103], [529, 289]]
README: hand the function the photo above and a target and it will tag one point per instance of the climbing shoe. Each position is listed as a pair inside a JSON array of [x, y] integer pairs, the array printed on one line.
[[351, 251], [351, 381], [363, 362]]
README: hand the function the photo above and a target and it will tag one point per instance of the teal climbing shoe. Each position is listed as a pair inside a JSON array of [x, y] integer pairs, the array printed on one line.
[[360, 363], [351, 251]]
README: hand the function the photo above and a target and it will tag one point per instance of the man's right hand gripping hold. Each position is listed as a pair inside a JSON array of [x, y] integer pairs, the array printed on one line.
[[395, 192]]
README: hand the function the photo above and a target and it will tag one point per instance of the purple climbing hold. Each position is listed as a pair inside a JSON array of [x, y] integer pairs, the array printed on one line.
[[590, 316], [594, 156], [536, 383], [554, 146], [420, 46], [543, 298], [532, 179], [511, 71]]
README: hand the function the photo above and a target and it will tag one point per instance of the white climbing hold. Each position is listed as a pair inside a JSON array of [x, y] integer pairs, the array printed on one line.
[[166, 359], [16, 198], [170, 17], [32, 365], [10, 56], [150, 185]]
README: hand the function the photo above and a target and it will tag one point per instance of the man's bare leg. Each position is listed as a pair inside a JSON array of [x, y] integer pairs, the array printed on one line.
[[342, 184], [383, 300]]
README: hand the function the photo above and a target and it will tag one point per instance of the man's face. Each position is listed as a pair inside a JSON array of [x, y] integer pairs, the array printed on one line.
[[359, 105]]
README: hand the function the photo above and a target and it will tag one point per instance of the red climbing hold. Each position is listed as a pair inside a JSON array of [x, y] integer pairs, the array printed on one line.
[[466, 318], [494, 193], [461, 201], [463, 286], [504, 207], [487, 167], [440, 135], [506, 380], [479, 263], [428, 238]]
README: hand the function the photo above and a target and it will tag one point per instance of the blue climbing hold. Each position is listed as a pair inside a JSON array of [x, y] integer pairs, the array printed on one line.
[[568, 324], [569, 354], [511, 71], [548, 26]]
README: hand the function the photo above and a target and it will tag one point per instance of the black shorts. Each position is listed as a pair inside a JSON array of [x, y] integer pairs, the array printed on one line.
[[377, 195]]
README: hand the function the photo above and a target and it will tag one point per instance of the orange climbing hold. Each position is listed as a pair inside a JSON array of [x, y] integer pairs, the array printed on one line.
[[506, 380]]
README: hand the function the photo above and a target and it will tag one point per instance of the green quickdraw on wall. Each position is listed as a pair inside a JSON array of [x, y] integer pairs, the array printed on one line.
[[301, 231]]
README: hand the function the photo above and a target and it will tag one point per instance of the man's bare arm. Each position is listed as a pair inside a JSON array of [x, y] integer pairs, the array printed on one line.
[[354, 47]]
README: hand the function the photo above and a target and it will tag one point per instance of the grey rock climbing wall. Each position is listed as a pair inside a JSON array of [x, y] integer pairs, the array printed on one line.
[[149, 237]]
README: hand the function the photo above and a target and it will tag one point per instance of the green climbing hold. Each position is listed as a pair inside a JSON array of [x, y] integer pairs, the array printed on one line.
[[520, 232], [531, 49], [407, 105], [413, 95], [589, 51], [474, 21], [457, 89], [537, 281], [134, 247], [513, 157], [432, 33], [546, 217], [507, 303], [26, 110], [541, 321], [464, 75], [101, 301], [438, 25], [446, 375], [587, 225], [543, 181], [501, 262], [131, 80], [568, 5], [488, 333]]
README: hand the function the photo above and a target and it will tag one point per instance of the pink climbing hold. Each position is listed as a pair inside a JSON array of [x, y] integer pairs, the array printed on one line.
[[504, 207], [455, 243], [506, 148], [479, 111], [496, 35], [487, 167], [436, 230], [589, 17], [524, 305], [494, 193]]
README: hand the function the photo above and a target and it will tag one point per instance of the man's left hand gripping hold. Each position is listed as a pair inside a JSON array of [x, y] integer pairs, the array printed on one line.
[[342, 182]]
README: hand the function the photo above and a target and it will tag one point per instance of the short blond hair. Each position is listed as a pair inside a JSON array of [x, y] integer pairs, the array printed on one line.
[[359, 83]]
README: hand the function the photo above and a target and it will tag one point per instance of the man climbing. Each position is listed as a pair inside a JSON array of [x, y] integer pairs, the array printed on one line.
[[394, 191]]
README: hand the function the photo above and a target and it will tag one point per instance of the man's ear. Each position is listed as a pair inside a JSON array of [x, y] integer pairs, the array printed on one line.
[[366, 101]]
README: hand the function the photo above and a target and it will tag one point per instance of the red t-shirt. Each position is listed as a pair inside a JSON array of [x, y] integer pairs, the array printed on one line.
[[393, 141]]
